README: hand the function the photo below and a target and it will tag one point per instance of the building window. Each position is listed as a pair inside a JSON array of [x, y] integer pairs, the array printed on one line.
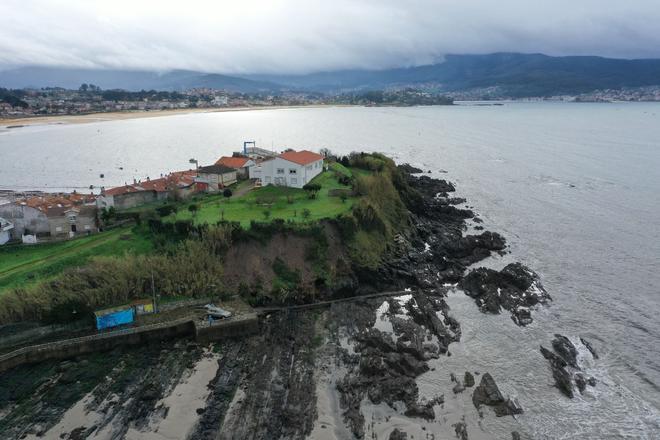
[[292, 171], [316, 165], [310, 167], [294, 181], [280, 171]]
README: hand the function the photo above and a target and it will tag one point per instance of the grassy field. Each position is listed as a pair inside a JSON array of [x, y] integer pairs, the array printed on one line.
[[282, 203], [22, 265]]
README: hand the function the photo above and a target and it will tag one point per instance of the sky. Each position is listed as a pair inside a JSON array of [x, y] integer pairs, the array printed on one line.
[[301, 36]]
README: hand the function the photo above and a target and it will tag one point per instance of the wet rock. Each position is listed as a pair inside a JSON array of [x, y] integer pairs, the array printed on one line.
[[405, 364], [487, 393], [406, 167], [514, 288], [150, 392], [589, 347], [559, 373], [580, 382], [468, 379], [458, 388], [461, 430], [424, 411], [565, 348], [398, 435]]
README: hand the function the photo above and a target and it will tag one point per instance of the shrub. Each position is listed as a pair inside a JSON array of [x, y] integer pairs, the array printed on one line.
[[227, 193], [312, 189], [306, 213], [166, 210]]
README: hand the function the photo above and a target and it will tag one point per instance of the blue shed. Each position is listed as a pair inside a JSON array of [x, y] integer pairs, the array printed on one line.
[[114, 317]]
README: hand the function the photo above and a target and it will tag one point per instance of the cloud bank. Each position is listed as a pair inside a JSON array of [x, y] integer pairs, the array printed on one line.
[[300, 36]]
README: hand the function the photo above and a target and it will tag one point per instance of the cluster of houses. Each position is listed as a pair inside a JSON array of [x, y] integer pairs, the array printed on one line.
[[60, 216], [56, 216]]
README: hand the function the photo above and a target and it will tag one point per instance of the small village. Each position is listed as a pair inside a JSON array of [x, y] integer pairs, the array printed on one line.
[[253, 184], [44, 217]]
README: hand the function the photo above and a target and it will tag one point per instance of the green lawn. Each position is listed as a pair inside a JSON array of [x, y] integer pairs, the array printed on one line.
[[282, 202], [21, 265]]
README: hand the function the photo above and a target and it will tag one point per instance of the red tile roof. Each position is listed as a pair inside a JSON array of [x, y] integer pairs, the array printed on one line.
[[62, 200], [232, 162], [120, 190], [303, 157], [179, 179]]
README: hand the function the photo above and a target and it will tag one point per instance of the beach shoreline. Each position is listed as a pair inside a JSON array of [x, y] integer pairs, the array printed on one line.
[[138, 114]]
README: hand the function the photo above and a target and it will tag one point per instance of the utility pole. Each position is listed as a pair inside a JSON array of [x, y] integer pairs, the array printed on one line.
[[153, 292]]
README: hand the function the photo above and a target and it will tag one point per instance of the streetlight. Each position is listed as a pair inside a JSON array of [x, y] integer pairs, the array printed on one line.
[[193, 160]]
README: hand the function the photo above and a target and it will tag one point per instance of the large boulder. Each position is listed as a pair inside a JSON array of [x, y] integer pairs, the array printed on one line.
[[487, 393]]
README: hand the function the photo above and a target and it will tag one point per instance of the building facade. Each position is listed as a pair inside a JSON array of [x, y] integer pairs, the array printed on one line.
[[291, 168], [216, 177], [72, 222]]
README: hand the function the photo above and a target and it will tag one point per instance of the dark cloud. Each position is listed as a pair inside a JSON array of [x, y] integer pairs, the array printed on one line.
[[284, 36]]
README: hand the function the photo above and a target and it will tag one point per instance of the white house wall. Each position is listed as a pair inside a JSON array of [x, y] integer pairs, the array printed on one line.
[[281, 172]]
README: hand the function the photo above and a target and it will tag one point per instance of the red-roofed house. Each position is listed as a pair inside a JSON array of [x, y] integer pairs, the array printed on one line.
[[241, 164], [291, 168], [179, 184]]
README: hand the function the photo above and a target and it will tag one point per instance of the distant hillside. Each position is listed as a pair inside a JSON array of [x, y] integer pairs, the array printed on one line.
[[516, 75], [39, 77], [510, 74]]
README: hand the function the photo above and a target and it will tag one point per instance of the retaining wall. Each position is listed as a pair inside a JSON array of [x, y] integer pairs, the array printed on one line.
[[240, 326]]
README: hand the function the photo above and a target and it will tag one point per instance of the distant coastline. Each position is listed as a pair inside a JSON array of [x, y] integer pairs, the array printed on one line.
[[138, 114]]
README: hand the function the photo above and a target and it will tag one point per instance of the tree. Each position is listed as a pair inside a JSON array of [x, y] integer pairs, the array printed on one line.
[[312, 189], [266, 214], [306, 213], [108, 214], [193, 208]]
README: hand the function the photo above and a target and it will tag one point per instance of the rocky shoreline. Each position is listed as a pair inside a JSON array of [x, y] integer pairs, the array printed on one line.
[[349, 371]]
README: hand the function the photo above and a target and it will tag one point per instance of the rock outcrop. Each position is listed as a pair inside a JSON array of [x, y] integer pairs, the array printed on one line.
[[515, 288], [564, 365], [487, 393]]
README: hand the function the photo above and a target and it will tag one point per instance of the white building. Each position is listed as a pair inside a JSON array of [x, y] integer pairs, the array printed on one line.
[[291, 168], [5, 231]]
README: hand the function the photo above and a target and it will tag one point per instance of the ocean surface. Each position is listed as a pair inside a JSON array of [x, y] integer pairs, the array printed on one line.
[[575, 189]]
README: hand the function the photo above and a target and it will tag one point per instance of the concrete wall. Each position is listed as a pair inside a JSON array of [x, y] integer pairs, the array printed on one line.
[[240, 326], [245, 325], [131, 200]]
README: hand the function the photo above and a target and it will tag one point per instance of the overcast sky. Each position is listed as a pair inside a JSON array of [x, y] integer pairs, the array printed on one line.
[[287, 36]]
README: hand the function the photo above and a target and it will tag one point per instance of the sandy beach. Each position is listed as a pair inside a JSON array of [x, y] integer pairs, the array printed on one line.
[[135, 114]]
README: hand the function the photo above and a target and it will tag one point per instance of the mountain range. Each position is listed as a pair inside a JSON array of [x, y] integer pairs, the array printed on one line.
[[510, 74]]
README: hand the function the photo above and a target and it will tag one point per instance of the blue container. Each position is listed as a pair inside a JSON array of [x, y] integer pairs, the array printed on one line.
[[114, 318]]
